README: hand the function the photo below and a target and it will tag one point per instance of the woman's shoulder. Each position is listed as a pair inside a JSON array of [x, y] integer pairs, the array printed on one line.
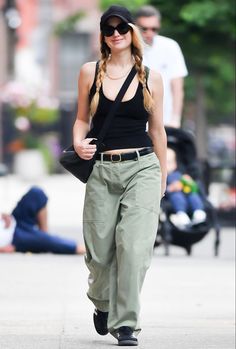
[[155, 76], [152, 74], [87, 71], [88, 67], [154, 80]]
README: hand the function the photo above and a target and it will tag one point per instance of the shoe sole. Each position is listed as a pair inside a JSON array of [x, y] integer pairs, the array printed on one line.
[[127, 343]]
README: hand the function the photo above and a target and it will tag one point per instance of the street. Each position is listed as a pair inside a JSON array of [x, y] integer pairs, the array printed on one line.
[[187, 302]]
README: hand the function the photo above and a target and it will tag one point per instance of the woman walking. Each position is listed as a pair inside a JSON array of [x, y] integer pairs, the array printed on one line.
[[128, 179]]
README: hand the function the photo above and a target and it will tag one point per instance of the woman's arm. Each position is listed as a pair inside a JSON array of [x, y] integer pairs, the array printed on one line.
[[82, 123], [156, 128], [42, 218], [7, 219]]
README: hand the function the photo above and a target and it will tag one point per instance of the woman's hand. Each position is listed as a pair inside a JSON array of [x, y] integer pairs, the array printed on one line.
[[7, 249], [7, 220], [175, 186], [84, 149]]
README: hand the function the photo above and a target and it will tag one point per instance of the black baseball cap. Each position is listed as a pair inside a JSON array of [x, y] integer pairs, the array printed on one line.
[[116, 11]]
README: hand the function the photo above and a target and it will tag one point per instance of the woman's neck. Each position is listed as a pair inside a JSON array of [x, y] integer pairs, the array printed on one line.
[[121, 59]]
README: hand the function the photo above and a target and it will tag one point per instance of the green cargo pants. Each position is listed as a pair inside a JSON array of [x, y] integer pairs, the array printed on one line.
[[120, 222]]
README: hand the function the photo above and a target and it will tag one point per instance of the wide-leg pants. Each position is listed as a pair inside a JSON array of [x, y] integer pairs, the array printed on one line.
[[120, 221]]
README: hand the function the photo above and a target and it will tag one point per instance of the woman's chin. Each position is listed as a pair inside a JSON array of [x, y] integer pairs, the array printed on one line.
[[119, 47]]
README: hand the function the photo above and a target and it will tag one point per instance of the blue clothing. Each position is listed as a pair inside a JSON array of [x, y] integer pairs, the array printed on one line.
[[27, 236], [180, 201], [27, 208], [173, 177]]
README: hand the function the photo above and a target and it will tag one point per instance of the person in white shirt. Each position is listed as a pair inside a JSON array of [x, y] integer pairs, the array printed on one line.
[[165, 56]]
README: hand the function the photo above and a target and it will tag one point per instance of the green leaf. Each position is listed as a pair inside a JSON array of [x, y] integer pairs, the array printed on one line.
[[131, 5]]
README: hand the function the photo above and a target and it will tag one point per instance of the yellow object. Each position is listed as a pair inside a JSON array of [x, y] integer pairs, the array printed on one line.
[[186, 189]]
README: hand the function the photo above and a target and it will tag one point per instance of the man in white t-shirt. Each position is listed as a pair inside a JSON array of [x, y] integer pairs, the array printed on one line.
[[165, 56]]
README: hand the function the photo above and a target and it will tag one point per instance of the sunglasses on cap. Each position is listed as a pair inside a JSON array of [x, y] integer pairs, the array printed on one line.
[[122, 28], [153, 29]]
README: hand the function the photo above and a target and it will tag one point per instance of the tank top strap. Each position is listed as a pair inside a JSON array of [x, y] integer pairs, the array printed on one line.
[[147, 71], [93, 87]]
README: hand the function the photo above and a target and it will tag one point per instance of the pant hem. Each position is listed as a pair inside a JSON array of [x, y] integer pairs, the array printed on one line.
[[100, 305]]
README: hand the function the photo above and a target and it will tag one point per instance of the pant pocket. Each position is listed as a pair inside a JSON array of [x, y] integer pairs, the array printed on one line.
[[149, 186], [94, 202]]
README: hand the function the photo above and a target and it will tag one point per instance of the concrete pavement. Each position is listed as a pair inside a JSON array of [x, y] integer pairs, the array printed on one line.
[[187, 302]]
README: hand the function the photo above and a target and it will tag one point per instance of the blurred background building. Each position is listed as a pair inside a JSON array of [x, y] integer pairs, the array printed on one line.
[[43, 45]]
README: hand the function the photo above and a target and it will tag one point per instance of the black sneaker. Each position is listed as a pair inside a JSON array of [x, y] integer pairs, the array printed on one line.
[[126, 337], [100, 322]]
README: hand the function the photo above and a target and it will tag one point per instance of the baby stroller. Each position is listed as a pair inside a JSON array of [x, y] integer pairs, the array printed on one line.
[[182, 142]]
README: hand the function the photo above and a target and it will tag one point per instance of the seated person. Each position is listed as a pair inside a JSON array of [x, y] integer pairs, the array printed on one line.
[[183, 196], [26, 229]]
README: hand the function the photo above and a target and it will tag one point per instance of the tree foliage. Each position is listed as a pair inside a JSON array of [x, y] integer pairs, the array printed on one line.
[[131, 5], [206, 32]]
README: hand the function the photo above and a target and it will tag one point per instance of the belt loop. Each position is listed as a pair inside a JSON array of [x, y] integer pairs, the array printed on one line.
[[138, 155]]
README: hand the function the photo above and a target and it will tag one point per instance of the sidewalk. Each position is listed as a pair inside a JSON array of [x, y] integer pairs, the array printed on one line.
[[187, 302]]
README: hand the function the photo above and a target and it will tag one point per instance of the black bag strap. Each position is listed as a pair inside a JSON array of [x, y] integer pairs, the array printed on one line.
[[115, 105]]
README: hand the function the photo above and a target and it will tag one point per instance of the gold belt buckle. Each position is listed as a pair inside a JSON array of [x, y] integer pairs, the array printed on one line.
[[119, 160]]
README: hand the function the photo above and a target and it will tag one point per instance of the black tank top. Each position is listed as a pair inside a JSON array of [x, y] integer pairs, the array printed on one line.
[[128, 128]]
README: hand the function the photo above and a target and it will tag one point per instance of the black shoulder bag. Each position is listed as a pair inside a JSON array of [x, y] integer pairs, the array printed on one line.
[[71, 161]]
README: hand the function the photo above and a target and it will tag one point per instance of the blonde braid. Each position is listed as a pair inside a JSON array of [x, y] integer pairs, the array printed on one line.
[[147, 98], [105, 53], [99, 80], [137, 51]]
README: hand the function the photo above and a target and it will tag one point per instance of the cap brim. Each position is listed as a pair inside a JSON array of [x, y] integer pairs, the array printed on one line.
[[118, 16]]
